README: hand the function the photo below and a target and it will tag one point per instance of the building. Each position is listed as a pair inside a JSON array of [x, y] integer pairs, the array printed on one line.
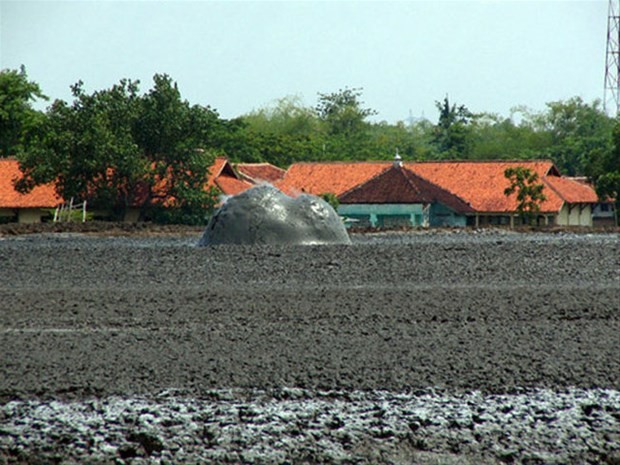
[[398, 197], [604, 214], [257, 173], [379, 194], [39, 204], [479, 185], [604, 211], [222, 177], [578, 201], [482, 185], [33, 207], [336, 178]]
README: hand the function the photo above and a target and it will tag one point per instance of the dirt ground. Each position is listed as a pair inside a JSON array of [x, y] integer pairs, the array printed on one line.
[[497, 313]]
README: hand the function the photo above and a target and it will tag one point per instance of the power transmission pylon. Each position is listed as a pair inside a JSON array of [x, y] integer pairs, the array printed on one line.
[[612, 63]]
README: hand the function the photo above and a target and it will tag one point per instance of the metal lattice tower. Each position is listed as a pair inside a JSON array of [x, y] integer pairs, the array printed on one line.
[[612, 64]]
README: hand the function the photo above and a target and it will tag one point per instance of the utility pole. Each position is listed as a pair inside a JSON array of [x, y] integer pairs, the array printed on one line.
[[612, 64]]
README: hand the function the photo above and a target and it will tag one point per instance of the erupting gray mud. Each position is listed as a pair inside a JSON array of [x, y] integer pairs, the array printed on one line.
[[264, 215]]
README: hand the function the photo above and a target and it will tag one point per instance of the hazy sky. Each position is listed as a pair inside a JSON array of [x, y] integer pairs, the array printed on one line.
[[238, 56]]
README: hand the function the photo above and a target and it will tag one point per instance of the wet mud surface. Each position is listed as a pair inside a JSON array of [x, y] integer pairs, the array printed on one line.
[[264, 215], [515, 336]]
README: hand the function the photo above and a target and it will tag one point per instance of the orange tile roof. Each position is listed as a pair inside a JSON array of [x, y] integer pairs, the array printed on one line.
[[230, 185], [572, 191], [219, 165], [400, 185], [221, 176], [482, 184], [333, 177], [260, 172], [389, 186], [43, 196]]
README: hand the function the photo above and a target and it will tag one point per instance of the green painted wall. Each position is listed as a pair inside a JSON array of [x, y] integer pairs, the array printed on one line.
[[383, 215], [393, 215], [443, 216]]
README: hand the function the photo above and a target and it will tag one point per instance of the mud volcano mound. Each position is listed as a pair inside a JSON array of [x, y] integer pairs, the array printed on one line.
[[264, 215]]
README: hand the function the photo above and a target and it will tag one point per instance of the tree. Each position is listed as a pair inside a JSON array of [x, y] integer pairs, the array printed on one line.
[[577, 132], [281, 134], [496, 137], [604, 170], [344, 120], [529, 191], [175, 138], [286, 116], [117, 149], [331, 199], [87, 148], [342, 112], [17, 116], [453, 134], [385, 139]]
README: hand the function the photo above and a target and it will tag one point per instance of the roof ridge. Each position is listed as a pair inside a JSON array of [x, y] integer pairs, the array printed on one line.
[[440, 187], [257, 163], [536, 160], [358, 186], [572, 184], [342, 162], [219, 172], [553, 189], [424, 162], [406, 173]]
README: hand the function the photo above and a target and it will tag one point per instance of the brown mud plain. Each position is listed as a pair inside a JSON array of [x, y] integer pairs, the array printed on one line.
[[430, 348]]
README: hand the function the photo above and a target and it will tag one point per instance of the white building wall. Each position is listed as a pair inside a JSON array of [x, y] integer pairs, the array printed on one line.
[[30, 215], [575, 215], [562, 218]]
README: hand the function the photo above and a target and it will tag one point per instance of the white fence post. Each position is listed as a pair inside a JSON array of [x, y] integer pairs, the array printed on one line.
[[63, 211], [70, 210]]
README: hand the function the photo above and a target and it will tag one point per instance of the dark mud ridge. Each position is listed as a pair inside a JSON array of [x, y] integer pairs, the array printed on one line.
[[420, 348]]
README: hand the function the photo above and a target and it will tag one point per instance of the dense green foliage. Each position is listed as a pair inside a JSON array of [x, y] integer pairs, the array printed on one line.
[[453, 133], [604, 170], [526, 184], [158, 135], [118, 149], [16, 113], [575, 135], [331, 199]]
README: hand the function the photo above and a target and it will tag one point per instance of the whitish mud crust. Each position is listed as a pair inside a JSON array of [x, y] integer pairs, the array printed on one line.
[[299, 426]]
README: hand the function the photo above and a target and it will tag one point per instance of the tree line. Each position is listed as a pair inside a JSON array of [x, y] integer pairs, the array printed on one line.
[[118, 146]]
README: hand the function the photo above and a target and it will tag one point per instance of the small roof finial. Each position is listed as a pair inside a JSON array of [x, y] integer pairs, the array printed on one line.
[[398, 161]]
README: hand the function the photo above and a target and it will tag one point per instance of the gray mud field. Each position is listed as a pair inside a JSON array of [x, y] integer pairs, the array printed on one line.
[[444, 348]]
